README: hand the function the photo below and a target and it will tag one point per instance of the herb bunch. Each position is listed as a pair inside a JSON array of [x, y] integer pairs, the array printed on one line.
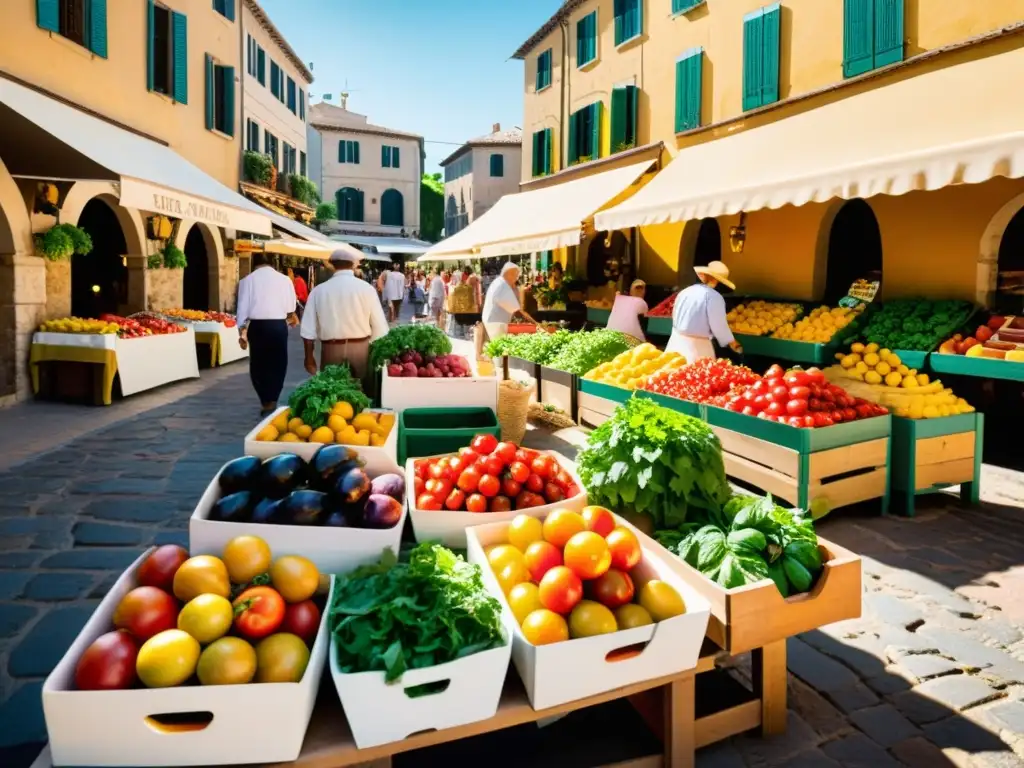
[[313, 399]]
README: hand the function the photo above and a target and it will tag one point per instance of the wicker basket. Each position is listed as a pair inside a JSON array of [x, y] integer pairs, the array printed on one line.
[[514, 408]]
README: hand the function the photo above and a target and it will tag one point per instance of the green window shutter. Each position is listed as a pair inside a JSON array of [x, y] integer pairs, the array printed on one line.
[[341, 151], [357, 155], [678, 6], [48, 14], [581, 41], [680, 92], [497, 165], [628, 20], [888, 32], [179, 37], [261, 65], [150, 52], [618, 120], [573, 153], [632, 104], [753, 58], [689, 89], [229, 9], [385, 157], [858, 37], [534, 153], [772, 51], [359, 205], [619, 11], [97, 27], [228, 75], [549, 143], [395, 158], [209, 73], [350, 151], [596, 110]]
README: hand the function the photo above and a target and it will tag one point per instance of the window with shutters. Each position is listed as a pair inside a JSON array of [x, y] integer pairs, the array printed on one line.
[[872, 35], [586, 39], [302, 105], [167, 52], [459, 168], [497, 165], [350, 204], [629, 20], [225, 8], [293, 97], [261, 65], [585, 134], [761, 42], [162, 54], [252, 135], [624, 112], [390, 157], [276, 81], [689, 89], [270, 146], [302, 163], [542, 152], [544, 70], [288, 167], [348, 151], [250, 55], [81, 21], [682, 6], [220, 97]]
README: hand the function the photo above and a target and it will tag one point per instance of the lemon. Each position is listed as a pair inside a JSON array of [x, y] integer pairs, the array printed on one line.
[[894, 360], [884, 353], [902, 411], [901, 369], [871, 359], [289, 437], [922, 379], [915, 411], [336, 422], [883, 368], [280, 421], [861, 367], [930, 412], [872, 347], [848, 361], [909, 382], [294, 424], [857, 347], [323, 435], [343, 409], [873, 377], [268, 434], [893, 379], [303, 431]]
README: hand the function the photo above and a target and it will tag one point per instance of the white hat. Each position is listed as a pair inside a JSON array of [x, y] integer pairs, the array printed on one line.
[[346, 253], [717, 270], [508, 267]]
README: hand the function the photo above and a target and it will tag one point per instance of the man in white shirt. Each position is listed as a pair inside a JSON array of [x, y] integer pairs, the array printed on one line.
[[266, 307], [344, 315], [435, 296], [502, 303], [394, 291]]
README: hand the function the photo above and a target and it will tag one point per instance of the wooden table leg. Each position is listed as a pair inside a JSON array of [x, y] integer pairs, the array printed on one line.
[[679, 739], [769, 677]]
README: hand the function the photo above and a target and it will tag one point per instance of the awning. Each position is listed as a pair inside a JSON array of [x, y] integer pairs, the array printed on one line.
[[295, 228], [401, 246], [951, 126], [75, 145], [302, 248], [538, 220]]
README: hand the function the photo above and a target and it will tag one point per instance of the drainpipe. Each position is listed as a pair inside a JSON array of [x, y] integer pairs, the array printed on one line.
[[565, 93]]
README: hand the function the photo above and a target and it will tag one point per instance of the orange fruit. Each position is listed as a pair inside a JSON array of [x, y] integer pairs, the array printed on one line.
[[586, 554], [322, 435], [561, 525], [543, 626]]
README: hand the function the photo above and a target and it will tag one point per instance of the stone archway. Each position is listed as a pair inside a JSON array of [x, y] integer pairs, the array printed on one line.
[[22, 289], [204, 252], [987, 281], [854, 247], [700, 244], [99, 279]]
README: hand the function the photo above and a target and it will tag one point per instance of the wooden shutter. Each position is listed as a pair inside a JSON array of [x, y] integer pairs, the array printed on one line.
[[888, 32], [678, 6], [497, 165], [680, 95], [97, 27], [753, 58], [772, 43], [302, 104], [293, 104], [395, 158], [596, 111], [150, 52], [229, 9], [179, 43], [592, 36], [48, 14], [858, 37], [632, 104], [228, 75], [573, 153], [689, 89], [618, 119], [261, 65], [619, 11], [341, 151], [549, 143], [385, 157], [356, 143], [359, 204], [209, 74]]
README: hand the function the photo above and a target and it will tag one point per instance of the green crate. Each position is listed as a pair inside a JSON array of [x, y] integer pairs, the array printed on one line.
[[788, 350], [598, 316], [659, 326], [982, 367], [913, 358], [905, 464], [606, 391], [432, 431]]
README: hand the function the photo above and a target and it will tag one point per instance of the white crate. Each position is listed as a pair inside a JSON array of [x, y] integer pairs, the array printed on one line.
[[117, 728], [332, 550], [379, 459], [399, 392], [450, 527], [571, 670]]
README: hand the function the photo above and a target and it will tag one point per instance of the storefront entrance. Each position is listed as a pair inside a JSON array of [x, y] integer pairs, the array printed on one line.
[[1009, 296], [99, 280], [854, 249], [196, 287], [608, 258]]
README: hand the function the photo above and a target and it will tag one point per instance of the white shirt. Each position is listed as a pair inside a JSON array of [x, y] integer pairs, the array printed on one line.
[[500, 303], [343, 307], [700, 311], [394, 286], [437, 289], [625, 315], [265, 294]]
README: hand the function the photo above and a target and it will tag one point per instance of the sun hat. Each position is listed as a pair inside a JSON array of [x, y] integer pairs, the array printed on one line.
[[638, 283], [717, 270]]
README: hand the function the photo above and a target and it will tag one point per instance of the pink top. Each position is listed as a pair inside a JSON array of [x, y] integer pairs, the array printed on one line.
[[624, 316]]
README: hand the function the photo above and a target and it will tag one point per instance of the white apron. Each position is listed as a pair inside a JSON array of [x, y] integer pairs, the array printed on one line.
[[691, 347]]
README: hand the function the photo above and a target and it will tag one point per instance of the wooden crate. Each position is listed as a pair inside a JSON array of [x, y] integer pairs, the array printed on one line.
[[596, 402], [557, 388], [929, 455]]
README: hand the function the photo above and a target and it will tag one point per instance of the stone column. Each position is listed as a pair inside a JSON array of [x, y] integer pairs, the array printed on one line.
[[22, 308], [164, 288], [136, 283], [244, 265], [58, 288]]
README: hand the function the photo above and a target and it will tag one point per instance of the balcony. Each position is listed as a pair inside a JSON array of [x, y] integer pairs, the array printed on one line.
[[290, 195]]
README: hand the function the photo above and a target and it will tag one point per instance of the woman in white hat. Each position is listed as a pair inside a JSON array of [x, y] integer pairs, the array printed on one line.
[[699, 315], [628, 309]]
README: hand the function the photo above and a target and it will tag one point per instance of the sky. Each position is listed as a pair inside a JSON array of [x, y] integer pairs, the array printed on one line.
[[439, 68]]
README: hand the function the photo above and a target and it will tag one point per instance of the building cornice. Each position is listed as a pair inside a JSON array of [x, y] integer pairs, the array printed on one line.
[[366, 130], [548, 27], [275, 34], [654, 149]]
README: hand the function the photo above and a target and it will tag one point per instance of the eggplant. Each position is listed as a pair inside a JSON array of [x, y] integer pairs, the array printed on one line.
[[330, 462], [281, 474], [389, 485], [381, 511], [233, 508], [304, 508], [240, 474], [351, 487], [267, 511]]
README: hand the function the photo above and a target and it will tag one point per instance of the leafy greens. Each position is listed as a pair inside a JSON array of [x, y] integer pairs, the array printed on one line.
[[313, 399], [426, 610], [536, 347], [423, 338], [586, 351]]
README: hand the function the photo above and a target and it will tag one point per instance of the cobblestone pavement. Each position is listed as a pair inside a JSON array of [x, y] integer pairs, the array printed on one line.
[[931, 675]]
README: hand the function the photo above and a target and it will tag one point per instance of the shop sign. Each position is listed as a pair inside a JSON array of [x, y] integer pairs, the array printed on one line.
[[861, 292]]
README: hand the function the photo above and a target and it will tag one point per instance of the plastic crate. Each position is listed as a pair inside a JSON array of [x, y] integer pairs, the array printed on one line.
[[430, 431]]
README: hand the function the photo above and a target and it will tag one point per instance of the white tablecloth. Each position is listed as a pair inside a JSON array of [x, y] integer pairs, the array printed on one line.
[[230, 351]]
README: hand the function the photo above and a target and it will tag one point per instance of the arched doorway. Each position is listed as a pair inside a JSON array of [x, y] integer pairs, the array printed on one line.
[[196, 280], [607, 258], [99, 280], [700, 244], [1010, 265], [854, 248], [350, 204], [392, 208]]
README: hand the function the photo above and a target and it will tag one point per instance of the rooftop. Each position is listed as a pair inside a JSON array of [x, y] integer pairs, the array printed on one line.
[[261, 16], [548, 27], [324, 116], [497, 137]]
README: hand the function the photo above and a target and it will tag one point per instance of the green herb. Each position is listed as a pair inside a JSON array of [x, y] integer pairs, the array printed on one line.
[[428, 610], [652, 460], [423, 338], [586, 351], [313, 399], [536, 347]]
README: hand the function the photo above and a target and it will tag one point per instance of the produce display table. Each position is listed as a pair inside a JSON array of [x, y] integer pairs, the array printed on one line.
[[929, 455], [140, 363], [786, 349], [399, 392], [222, 341], [981, 367]]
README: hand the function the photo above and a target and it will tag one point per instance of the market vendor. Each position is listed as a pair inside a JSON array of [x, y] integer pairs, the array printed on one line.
[[502, 303], [628, 309], [344, 314], [699, 315]]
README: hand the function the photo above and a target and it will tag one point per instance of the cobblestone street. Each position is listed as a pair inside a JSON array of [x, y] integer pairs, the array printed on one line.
[[932, 674]]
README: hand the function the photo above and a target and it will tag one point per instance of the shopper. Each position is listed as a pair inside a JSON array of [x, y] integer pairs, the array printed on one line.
[[301, 289], [699, 315], [394, 291], [502, 303], [435, 297], [266, 307], [344, 315], [628, 309], [417, 293]]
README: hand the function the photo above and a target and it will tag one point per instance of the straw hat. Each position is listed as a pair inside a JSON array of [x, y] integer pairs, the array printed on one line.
[[717, 270]]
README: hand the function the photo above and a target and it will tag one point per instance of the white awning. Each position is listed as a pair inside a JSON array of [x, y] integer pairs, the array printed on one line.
[[389, 244], [296, 228], [302, 248], [152, 177], [956, 125], [538, 220]]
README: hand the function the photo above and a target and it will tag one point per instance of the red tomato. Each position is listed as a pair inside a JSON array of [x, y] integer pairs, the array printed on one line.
[[259, 611], [814, 404], [541, 466], [748, 410], [527, 499], [108, 664], [837, 417], [456, 500], [494, 465], [598, 519], [799, 393], [798, 379], [500, 504], [456, 464], [418, 485], [816, 375], [506, 451], [808, 421], [780, 394], [469, 479], [421, 466], [613, 588], [761, 402], [735, 405], [534, 483], [468, 456], [625, 549], [439, 489], [796, 407], [519, 471], [526, 455], [489, 486], [302, 619], [510, 487], [795, 421], [476, 503], [541, 557], [563, 479], [484, 444], [560, 590], [450, 473], [159, 568], [553, 493], [428, 501], [146, 611], [765, 415], [775, 372], [775, 409], [437, 471], [760, 387], [849, 414]]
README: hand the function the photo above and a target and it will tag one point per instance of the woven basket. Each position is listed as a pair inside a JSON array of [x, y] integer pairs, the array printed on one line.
[[513, 409]]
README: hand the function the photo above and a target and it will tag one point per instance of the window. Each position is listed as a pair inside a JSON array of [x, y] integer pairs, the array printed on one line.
[[585, 134], [624, 103], [689, 73], [761, 57], [542, 152], [250, 55], [586, 39], [302, 163], [390, 157], [288, 155], [348, 151], [302, 105], [167, 53], [350, 204], [220, 97], [872, 35], [544, 70], [459, 168], [293, 102], [392, 208], [252, 135], [81, 21], [276, 81], [629, 20], [261, 65], [225, 8], [270, 145], [497, 165], [681, 6]]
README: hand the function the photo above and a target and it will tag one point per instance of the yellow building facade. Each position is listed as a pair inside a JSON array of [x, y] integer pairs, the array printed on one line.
[[681, 73]]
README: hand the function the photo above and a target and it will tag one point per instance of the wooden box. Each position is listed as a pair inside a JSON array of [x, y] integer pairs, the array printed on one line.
[[557, 388], [596, 402]]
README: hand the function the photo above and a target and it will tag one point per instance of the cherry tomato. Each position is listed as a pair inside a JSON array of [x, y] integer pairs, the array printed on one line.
[[500, 504], [837, 417], [418, 485], [421, 466], [808, 422], [469, 479], [798, 379], [506, 451], [748, 410], [553, 493], [456, 499], [526, 499], [796, 407], [560, 589], [484, 444], [476, 503], [624, 548], [437, 471], [519, 471], [563, 479], [598, 519], [799, 393], [534, 483], [439, 489], [456, 465], [526, 455], [510, 487], [613, 588], [468, 456], [302, 619], [541, 466], [259, 611], [775, 409], [849, 414], [775, 372], [541, 557], [489, 486], [427, 501], [795, 421], [494, 465], [780, 394]]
